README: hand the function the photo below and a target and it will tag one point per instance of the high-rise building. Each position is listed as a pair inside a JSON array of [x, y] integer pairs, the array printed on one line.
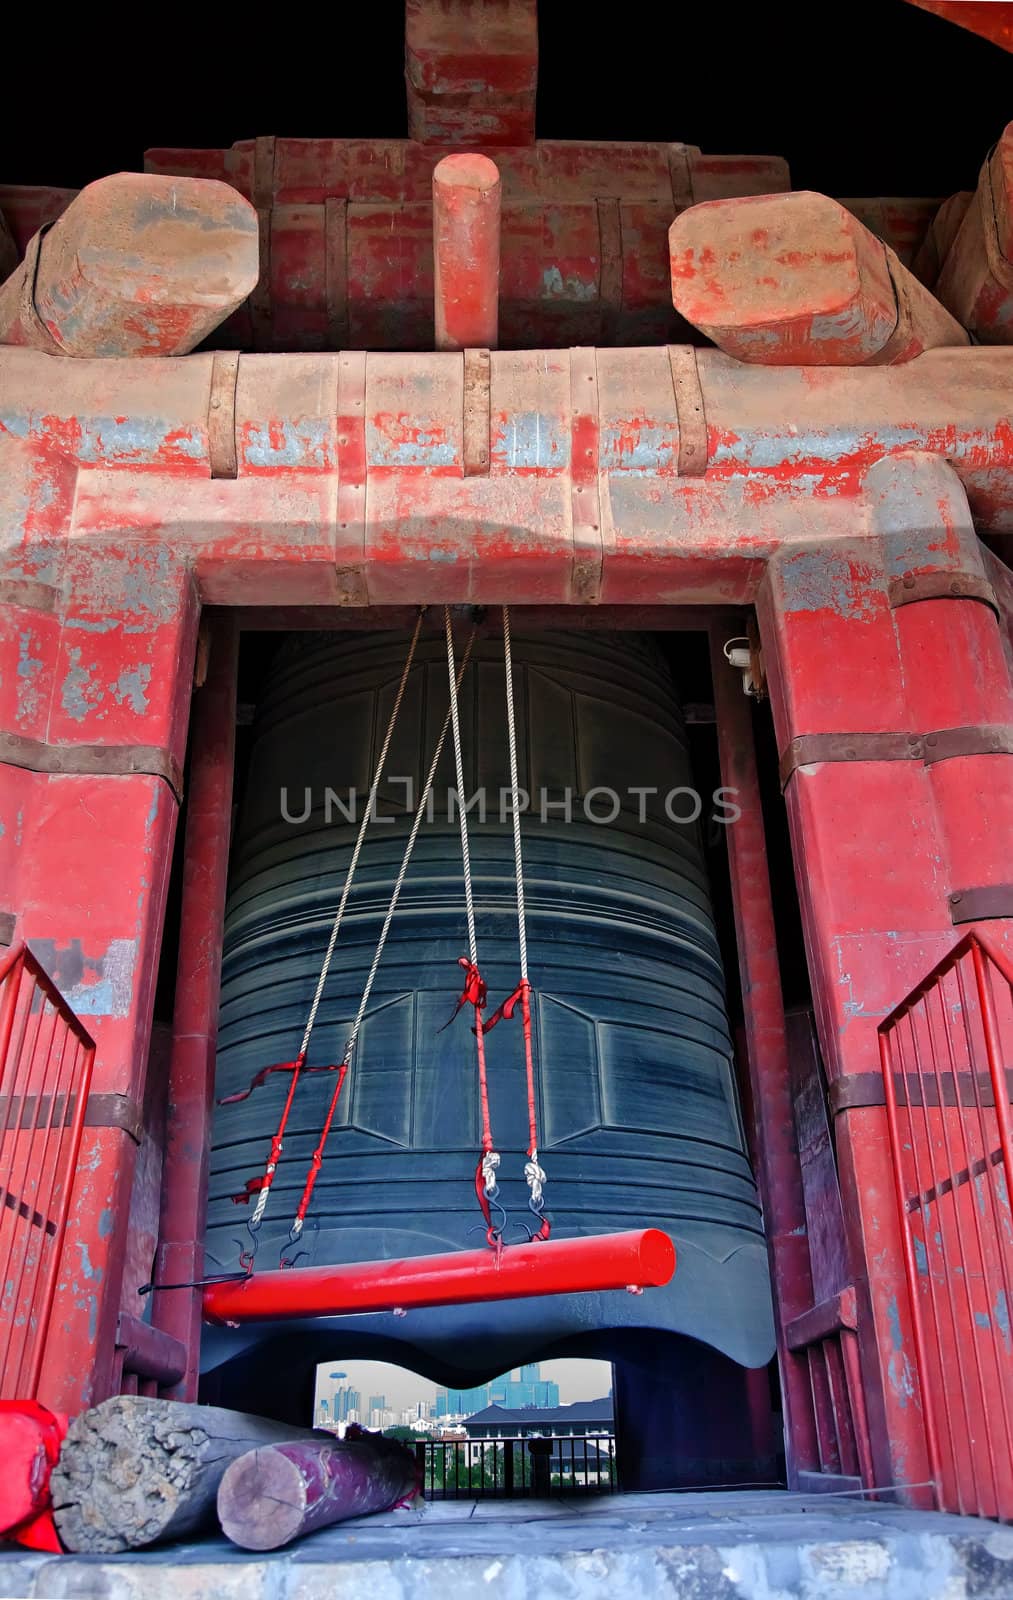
[[344, 1400], [530, 1389], [377, 1402]]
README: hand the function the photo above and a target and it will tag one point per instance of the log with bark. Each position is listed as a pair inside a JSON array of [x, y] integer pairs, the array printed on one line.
[[281, 1491], [135, 1470]]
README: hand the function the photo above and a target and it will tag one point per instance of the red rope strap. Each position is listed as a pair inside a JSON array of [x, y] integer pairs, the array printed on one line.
[[317, 1158], [262, 1076]]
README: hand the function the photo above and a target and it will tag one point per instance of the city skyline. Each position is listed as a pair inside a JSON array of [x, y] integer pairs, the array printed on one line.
[[577, 1380]]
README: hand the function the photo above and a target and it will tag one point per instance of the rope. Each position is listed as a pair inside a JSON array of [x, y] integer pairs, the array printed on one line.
[[263, 1189], [474, 990], [522, 936], [316, 1160], [534, 1173], [459, 770]]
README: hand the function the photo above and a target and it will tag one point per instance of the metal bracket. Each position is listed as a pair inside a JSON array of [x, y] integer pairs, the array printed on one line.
[[808, 749], [477, 402], [88, 760], [911, 587], [336, 271], [680, 172], [610, 270], [977, 739], [101, 1111], [351, 453], [857, 1091], [222, 414], [689, 410], [588, 546], [261, 315], [981, 905]]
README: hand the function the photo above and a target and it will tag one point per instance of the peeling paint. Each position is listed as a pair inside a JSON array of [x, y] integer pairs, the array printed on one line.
[[131, 688], [79, 694]]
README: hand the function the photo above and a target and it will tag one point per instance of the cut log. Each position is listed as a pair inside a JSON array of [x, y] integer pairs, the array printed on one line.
[[280, 1492], [133, 1470]]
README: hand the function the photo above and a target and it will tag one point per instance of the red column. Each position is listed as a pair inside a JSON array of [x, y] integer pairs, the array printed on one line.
[[94, 727], [180, 1256], [861, 650], [779, 1175]]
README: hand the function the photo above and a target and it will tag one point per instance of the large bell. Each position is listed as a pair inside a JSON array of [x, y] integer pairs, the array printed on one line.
[[639, 1116]]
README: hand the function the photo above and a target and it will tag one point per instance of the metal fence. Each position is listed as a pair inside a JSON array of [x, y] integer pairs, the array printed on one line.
[[45, 1073], [497, 1469], [947, 1090]]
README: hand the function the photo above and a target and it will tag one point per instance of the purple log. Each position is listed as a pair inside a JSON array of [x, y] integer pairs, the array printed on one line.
[[273, 1495]]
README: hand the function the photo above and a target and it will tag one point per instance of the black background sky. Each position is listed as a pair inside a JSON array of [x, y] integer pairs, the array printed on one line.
[[868, 97]]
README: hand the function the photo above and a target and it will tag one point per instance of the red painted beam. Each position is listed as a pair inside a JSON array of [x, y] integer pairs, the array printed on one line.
[[466, 216], [644, 1259]]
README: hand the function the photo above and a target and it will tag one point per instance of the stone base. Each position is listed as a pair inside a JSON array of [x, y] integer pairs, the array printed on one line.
[[734, 1545]]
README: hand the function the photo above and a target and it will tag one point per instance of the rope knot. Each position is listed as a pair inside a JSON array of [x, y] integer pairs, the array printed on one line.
[[474, 992], [490, 1166], [535, 1176]]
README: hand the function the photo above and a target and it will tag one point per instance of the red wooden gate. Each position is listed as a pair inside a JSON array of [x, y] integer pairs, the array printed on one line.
[[947, 1092], [45, 1072]]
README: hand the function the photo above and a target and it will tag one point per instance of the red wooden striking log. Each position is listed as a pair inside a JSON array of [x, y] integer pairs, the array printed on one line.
[[466, 212], [639, 1260], [276, 1494]]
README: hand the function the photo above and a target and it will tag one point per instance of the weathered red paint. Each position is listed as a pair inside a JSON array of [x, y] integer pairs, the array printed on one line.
[[180, 1255], [348, 228], [626, 482], [137, 265], [46, 1063], [796, 280], [466, 252], [471, 69], [975, 277], [946, 1089]]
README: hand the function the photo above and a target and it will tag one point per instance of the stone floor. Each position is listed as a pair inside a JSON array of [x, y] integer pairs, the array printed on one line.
[[741, 1545]]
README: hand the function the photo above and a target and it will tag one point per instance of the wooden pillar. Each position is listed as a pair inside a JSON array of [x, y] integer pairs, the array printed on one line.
[[180, 1257], [779, 1175], [92, 733], [891, 698]]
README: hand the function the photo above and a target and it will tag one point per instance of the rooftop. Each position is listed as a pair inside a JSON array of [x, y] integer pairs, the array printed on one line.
[[592, 1411]]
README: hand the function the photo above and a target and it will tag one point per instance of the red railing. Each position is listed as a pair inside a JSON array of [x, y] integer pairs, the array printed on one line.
[[46, 1062], [944, 1054]]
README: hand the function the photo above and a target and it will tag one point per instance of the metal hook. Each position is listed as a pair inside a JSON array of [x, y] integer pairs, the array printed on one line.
[[495, 1204], [295, 1233], [525, 1229]]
